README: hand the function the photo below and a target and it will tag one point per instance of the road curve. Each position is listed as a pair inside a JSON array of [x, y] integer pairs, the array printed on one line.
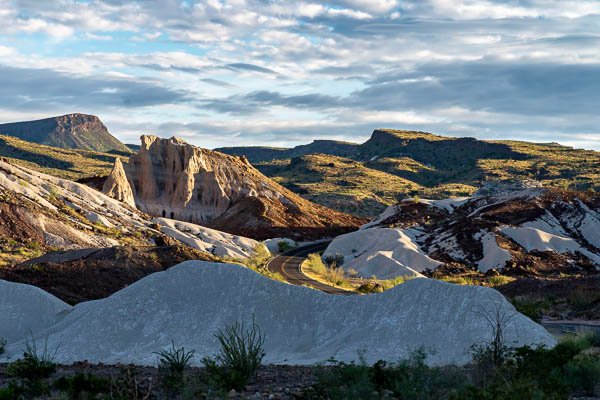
[[288, 265]]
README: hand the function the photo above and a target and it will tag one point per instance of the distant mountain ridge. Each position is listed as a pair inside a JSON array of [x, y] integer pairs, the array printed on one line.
[[348, 176], [70, 131], [264, 153]]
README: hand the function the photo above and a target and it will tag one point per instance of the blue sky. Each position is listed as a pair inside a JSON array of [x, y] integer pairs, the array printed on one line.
[[280, 73]]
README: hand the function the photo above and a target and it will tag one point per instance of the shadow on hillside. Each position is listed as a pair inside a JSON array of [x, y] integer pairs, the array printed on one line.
[[43, 160], [446, 161], [104, 157]]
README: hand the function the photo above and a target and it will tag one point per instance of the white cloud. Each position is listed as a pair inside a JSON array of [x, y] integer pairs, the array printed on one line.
[[331, 49]]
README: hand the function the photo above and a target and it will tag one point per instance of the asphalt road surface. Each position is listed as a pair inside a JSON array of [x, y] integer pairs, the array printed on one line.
[[288, 265]]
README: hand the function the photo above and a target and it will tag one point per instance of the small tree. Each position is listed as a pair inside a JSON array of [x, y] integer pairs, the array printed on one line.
[[490, 355]]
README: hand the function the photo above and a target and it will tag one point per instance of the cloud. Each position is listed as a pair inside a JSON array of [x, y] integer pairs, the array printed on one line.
[[39, 89], [277, 70], [258, 101], [518, 88], [251, 67], [217, 82]]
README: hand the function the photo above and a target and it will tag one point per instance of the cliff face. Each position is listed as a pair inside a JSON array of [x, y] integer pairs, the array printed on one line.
[[170, 178], [72, 131]]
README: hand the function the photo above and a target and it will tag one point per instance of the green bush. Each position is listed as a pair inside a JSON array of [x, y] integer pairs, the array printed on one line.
[[534, 309], [408, 379], [568, 370], [283, 246], [334, 261], [11, 392], [34, 369], [240, 356], [331, 273], [82, 386], [260, 257], [172, 364]]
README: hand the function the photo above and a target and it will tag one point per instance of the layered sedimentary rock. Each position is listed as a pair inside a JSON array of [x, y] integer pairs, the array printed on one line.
[[173, 179]]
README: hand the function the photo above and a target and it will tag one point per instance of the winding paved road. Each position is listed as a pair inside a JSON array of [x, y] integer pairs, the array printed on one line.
[[288, 265]]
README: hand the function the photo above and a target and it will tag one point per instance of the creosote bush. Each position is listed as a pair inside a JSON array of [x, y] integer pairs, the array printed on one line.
[[240, 356]]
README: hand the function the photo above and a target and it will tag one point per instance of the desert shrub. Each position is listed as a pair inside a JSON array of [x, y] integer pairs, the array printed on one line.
[[580, 299], [11, 392], [240, 356], [459, 280], [259, 258], [334, 261], [128, 385], [34, 369], [390, 283], [331, 272], [82, 386], [370, 287], [593, 339], [499, 280], [411, 378], [283, 246], [172, 364], [541, 373], [315, 264], [532, 308], [583, 375]]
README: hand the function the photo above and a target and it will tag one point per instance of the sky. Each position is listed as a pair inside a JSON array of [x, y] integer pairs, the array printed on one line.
[[282, 73]]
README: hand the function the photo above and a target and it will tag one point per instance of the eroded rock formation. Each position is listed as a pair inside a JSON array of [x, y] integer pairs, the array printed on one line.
[[117, 186], [171, 178]]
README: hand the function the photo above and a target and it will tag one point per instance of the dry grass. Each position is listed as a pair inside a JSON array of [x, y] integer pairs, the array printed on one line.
[[334, 276]]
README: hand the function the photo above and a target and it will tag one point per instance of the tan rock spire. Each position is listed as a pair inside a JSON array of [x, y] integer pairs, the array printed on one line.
[[117, 186]]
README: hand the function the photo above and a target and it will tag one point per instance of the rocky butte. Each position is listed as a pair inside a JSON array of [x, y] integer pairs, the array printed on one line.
[[71, 131], [173, 179]]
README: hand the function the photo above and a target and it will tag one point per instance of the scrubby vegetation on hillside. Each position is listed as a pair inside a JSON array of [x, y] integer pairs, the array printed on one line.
[[340, 183], [397, 164], [63, 163]]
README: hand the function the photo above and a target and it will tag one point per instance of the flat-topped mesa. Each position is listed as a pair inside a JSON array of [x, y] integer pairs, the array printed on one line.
[[171, 178], [71, 131]]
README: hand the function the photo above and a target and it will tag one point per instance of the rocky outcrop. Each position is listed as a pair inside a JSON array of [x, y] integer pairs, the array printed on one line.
[[173, 179], [40, 213], [71, 131], [534, 231], [117, 186]]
